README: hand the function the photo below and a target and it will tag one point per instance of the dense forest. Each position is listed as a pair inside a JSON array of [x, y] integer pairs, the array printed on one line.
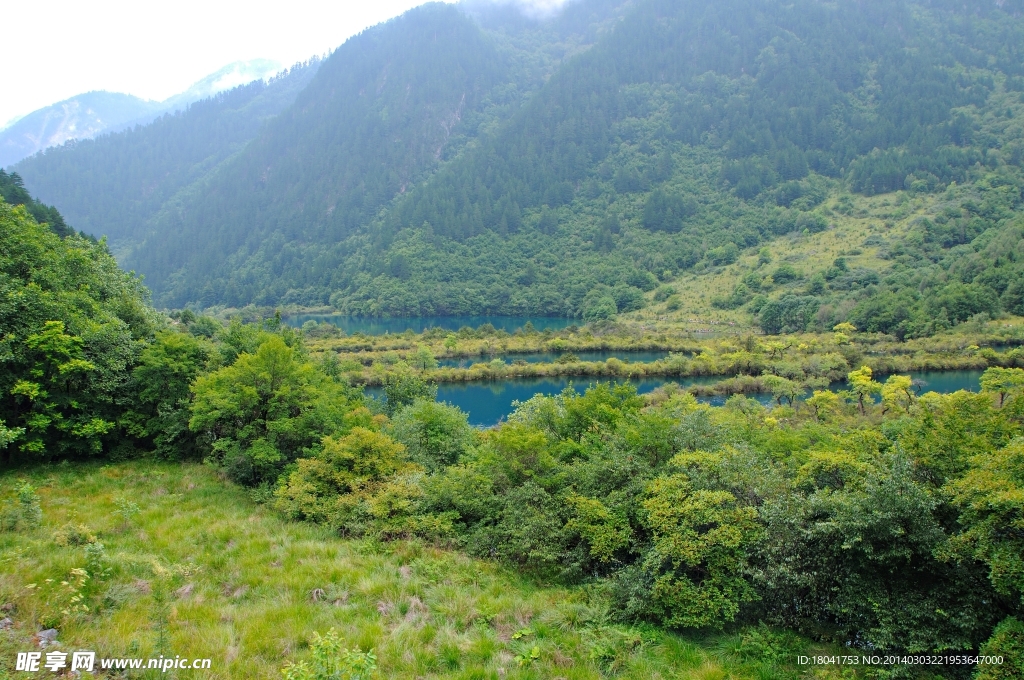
[[874, 518], [113, 185], [451, 163]]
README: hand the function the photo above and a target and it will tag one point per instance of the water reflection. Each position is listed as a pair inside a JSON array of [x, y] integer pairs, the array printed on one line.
[[488, 403], [550, 357]]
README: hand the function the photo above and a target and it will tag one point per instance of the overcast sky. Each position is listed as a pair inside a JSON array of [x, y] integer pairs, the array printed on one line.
[[60, 48]]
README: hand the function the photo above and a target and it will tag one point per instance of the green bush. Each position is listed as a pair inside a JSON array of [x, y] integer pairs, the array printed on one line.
[[330, 661], [262, 412]]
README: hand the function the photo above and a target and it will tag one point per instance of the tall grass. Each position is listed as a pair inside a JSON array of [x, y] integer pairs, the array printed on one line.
[[202, 571]]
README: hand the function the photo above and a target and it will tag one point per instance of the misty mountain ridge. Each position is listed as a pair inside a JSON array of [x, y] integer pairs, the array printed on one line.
[[90, 114]]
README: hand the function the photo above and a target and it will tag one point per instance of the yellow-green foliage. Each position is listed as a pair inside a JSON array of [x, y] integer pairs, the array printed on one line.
[[207, 573], [810, 359], [344, 475], [991, 494], [604, 532], [702, 537]]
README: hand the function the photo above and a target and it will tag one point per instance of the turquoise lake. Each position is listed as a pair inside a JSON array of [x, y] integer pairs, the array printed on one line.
[[488, 403]]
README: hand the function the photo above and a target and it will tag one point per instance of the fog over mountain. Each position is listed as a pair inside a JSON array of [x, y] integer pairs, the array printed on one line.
[[90, 114]]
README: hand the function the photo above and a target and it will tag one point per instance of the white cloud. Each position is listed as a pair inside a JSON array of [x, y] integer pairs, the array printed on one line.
[[531, 8], [541, 7]]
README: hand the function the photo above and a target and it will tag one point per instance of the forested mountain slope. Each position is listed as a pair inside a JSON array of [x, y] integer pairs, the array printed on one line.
[[111, 185], [688, 132], [384, 110], [12, 191]]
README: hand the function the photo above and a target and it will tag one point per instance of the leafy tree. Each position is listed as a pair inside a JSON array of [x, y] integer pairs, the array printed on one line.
[[825, 403], [863, 386], [423, 359], [897, 394], [991, 495], [51, 413], [403, 387], [1002, 381], [435, 435], [163, 377], [783, 388], [264, 411], [1007, 641], [72, 328]]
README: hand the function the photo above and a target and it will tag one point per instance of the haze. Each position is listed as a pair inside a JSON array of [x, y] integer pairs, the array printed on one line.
[[155, 50]]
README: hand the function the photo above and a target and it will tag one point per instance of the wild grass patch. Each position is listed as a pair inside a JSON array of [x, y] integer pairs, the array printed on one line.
[[201, 571]]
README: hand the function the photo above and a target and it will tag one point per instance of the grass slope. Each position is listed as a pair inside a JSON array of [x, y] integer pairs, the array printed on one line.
[[202, 571], [852, 221]]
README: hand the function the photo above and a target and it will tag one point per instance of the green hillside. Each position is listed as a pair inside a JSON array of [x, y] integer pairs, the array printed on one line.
[[111, 186], [570, 167]]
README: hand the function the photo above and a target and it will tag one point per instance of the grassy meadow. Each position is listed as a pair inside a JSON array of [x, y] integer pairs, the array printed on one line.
[[192, 566]]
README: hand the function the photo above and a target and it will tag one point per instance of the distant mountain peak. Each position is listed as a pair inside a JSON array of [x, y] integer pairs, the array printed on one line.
[[87, 115], [81, 117], [226, 78]]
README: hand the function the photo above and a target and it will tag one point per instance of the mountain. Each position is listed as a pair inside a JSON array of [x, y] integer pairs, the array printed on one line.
[[461, 160], [231, 76], [88, 115], [385, 110], [81, 117], [111, 185]]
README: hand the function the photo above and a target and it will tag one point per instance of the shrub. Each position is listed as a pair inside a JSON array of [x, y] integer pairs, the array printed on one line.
[[699, 542], [23, 513], [263, 411], [329, 661], [73, 534], [335, 485]]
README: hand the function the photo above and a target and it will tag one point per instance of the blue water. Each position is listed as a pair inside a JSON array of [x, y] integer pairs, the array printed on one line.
[[488, 403], [375, 326], [545, 357]]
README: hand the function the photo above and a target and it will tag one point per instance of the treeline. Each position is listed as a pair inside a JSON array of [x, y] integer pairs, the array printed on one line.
[[13, 192]]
